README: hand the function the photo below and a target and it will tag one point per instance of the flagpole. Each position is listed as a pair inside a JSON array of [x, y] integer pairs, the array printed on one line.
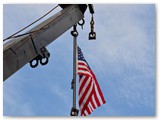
[[74, 33]]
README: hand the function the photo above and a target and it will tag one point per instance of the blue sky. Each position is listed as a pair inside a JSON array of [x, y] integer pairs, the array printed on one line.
[[122, 58]]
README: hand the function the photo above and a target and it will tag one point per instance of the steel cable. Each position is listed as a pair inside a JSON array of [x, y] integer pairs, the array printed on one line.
[[13, 35]]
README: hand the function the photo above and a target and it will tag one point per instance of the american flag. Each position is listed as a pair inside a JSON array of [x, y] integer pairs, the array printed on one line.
[[90, 94]]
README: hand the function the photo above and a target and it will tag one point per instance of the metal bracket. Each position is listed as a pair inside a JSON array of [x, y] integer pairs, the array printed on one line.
[[43, 55], [92, 35], [91, 8], [72, 83], [74, 112]]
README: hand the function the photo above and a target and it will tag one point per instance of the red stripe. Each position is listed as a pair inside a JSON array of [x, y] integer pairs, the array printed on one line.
[[83, 64], [98, 87], [82, 85], [91, 101], [84, 94], [95, 95], [85, 74], [96, 98], [87, 109], [88, 100], [84, 69], [89, 112]]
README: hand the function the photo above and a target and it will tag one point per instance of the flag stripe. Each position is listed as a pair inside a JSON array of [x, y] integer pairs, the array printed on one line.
[[82, 85], [90, 105], [81, 80], [89, 109], [96, 98], [86, 97], [85, 113], [98, 95], [80, 62], [98, 89], [94, 101], [91, 101], [82, 72], [84, 88], [90, 98], [83, 67]]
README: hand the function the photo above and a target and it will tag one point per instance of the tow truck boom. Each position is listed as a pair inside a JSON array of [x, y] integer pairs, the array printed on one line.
[[22, 50]]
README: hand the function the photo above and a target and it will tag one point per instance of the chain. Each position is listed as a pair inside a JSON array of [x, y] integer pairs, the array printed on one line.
[[92, 34]]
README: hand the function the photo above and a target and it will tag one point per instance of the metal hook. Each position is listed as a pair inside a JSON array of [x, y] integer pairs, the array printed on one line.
[[81, 24], [74, 31], [92, 34]]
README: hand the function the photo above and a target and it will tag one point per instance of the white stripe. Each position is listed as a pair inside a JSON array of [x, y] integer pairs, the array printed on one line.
[[86, 97], [84, 72], [86, 113], [97, 93], [84, 88], [94, 101], [89, 108], [81, 80], [80, 61], [83, 66], [90, 105]]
